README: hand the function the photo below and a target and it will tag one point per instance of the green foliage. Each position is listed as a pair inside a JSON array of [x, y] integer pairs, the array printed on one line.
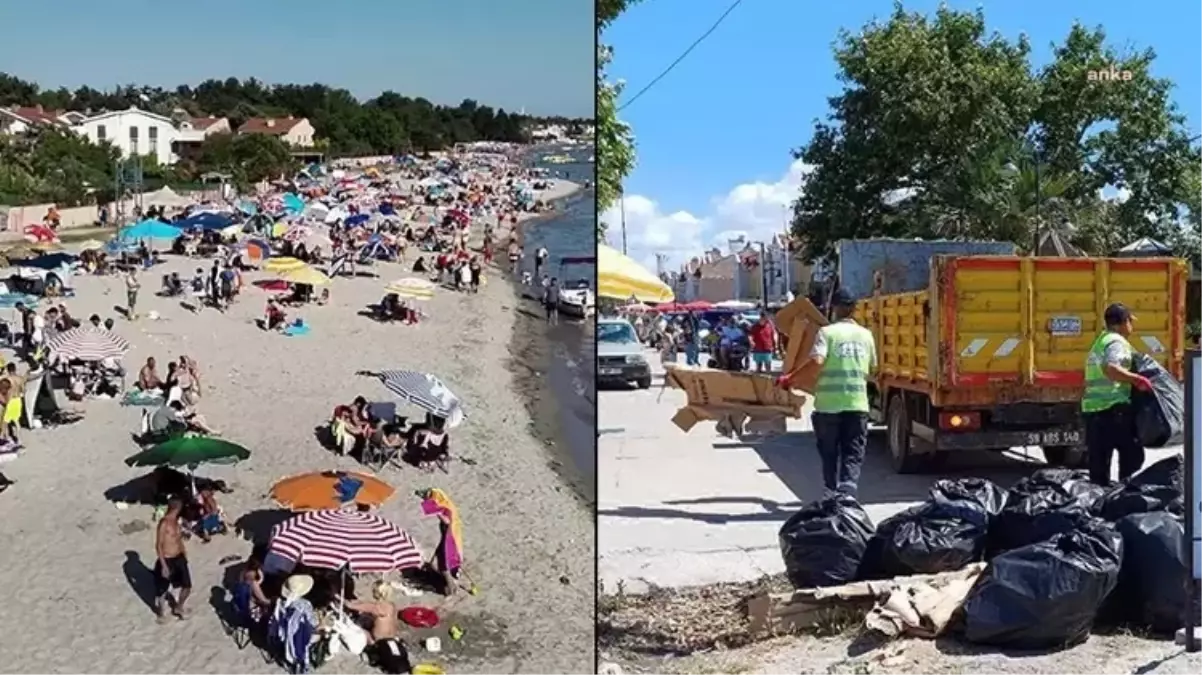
[[387, 124], [985, 147], [615, 143]]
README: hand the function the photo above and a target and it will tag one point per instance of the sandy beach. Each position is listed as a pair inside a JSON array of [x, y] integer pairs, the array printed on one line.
[[76, 567]]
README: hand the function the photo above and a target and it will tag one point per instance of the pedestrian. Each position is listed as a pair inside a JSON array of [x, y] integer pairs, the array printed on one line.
[[551, 301], [846, 353], [1106, 404], [763, 343], [131, 292], [171, 563]]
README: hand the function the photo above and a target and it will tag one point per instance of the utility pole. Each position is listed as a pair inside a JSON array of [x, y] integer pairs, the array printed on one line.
[[622, 206]]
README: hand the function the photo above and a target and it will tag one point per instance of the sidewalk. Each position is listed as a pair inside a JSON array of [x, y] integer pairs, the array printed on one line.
[[676, 509]]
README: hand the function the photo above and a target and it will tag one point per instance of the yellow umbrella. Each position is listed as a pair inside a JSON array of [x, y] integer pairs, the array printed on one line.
[[620, 277], [279, 229], [417, 289], [278, 265], [305, 275]]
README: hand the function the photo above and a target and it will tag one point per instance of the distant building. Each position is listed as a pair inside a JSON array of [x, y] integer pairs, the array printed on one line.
[[20, 119], [133, 132], [194, 130], [295, 131]]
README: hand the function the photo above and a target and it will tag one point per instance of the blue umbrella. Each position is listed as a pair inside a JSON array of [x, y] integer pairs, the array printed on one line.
[[10, 300], [116, 246], [205, 221], [148, 229], [357, 219], [293, 203]]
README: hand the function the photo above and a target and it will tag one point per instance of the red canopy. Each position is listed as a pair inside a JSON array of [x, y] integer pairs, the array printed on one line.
[[695, 306]]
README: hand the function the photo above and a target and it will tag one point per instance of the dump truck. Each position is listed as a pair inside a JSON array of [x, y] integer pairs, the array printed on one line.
[[990, 355]]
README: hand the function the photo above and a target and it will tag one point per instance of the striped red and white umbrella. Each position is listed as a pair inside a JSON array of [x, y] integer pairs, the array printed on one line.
[[297, 233], [363, 542], [88, 344]]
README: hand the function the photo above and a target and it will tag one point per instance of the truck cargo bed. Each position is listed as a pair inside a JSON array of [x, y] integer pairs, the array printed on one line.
[[1006, 329]]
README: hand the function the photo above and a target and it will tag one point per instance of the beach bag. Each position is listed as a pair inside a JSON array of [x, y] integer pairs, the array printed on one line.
[[823, 544], [1046, 503], [929, 538], [1153, 589], [1160, 413], [1045, 595]]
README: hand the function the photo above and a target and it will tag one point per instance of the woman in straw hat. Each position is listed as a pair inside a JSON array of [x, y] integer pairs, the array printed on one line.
[[293, 620]]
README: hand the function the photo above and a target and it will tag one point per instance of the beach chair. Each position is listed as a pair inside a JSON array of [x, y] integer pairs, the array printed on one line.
[[239, 622]]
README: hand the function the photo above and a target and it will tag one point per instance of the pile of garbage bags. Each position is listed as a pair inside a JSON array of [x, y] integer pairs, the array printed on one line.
[[1061, 551]]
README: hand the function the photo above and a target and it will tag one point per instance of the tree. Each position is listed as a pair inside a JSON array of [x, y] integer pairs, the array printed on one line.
[[615, 143], [248, 159], [941, 127]]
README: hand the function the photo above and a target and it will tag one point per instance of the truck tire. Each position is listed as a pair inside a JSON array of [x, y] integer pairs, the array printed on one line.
[[1070, 456], [901, 449], [644, 382]]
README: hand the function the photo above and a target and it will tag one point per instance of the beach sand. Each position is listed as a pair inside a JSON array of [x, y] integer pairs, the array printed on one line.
[[75, 567]]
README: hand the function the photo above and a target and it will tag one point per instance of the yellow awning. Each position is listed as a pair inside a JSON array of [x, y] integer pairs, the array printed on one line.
[[620, 277]]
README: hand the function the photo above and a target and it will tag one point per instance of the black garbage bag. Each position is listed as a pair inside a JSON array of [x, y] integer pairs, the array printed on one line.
[[1045, 595], [926, 539], [823, 544], [1125, 499], [1169, 471], [1160, 413], [1046, 503], [1153, 589], [972, 493]]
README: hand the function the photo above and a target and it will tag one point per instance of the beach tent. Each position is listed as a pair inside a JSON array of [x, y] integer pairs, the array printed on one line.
[[39, 399], [1145, 247]]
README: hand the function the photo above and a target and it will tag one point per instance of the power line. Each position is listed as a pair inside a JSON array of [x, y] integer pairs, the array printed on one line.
[[680, 58]]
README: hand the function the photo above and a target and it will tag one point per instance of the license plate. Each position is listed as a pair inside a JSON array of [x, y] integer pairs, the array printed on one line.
[[1064, 326], [1053, 438], [611, 371]]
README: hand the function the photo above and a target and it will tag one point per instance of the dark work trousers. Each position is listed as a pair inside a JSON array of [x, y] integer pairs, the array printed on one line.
[[1109, 430], [842, 438]]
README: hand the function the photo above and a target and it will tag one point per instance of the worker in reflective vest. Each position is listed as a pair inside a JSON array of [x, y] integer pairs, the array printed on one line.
[[846, 354], [1106, 404]]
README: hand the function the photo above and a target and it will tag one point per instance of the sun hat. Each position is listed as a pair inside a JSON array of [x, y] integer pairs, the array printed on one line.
[[297, 586]]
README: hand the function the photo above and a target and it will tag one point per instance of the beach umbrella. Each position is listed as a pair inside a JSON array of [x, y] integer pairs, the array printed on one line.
[[293, 203], [621, 277], [278, 265], [256, 249], [88, 344], [335, 540], [305, 275], [190, 451], [328, 490], [416, 289], [297, 233], [149, 229], [357, 219], [10, 300], [38, 233], [118, 246], [426, 392]]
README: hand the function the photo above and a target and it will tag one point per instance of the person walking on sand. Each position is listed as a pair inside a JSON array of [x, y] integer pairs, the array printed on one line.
[[171, 563], [131, 292], [551, 301]]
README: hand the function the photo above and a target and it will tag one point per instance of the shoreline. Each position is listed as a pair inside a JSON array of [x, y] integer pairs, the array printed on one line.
[[532, 347]]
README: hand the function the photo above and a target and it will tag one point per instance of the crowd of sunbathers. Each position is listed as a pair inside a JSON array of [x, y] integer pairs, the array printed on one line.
[[357, 429], [179, 393]]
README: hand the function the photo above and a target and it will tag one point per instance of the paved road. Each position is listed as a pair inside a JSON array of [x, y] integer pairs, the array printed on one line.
[[678, 509]]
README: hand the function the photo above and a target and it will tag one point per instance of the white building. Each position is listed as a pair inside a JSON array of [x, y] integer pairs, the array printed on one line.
[[134, 132]]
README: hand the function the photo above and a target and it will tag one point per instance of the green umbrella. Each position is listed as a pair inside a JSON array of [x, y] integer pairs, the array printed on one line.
[[190, 451]]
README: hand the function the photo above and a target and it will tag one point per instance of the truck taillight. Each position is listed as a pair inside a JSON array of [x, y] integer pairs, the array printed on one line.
[[959, 421]]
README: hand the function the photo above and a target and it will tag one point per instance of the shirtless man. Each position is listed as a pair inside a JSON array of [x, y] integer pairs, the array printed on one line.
[[148, 377], [386, 651], [171, 563]]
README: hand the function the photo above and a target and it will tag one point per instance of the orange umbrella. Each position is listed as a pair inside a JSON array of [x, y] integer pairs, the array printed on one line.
[[325, 490]]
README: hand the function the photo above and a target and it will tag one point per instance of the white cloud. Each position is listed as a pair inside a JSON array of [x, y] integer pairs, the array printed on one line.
[[755, 211]]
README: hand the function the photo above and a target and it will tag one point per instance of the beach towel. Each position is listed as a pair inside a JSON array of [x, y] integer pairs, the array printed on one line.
[[296, 330], [138, 397], [437, 502]]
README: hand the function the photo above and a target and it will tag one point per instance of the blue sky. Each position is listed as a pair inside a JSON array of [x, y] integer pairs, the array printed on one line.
[[714, 135], [536, 54]]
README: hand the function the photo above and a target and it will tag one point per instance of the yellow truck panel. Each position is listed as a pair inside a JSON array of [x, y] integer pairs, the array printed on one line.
[[1006, 329]]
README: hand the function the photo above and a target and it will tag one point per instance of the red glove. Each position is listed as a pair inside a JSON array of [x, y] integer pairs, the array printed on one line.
[[784, 381], [1142, 383]]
